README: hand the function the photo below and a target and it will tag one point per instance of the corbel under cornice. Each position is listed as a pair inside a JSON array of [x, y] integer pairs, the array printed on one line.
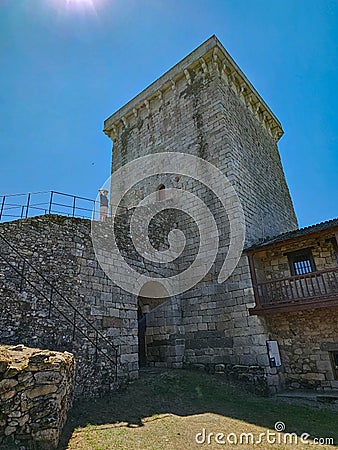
[[210, 57]]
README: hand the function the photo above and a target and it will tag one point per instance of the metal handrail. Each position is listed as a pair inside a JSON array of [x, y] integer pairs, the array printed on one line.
[[71, 195], [75, 310], [28, 208]]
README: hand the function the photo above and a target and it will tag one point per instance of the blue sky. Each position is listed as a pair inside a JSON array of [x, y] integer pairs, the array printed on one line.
[[66, 68]]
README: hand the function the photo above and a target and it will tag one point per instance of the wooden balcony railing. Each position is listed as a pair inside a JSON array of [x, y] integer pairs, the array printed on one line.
[[297, 290]]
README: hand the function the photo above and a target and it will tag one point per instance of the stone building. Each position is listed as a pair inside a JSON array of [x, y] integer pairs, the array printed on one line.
[[280, 302], [206, 106], [295, 279]]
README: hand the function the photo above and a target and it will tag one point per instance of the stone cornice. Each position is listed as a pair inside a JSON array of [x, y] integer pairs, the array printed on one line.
[[210, 57]]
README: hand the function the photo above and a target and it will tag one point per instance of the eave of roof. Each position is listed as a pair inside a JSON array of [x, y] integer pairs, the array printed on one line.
[[301, 232]]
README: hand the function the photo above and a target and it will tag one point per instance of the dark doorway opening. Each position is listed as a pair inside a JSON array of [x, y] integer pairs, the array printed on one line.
[[142, 347]]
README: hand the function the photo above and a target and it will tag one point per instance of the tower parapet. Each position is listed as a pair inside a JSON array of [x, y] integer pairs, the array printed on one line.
[[210, 58]]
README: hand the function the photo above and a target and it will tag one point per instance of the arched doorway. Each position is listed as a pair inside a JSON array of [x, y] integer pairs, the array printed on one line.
[[148, 302]]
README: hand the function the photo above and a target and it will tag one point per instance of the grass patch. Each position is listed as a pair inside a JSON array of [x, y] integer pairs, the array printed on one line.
[[165, 410]]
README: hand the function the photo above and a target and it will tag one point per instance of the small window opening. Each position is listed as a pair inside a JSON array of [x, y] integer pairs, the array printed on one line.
[[161, 192], [301, 262]]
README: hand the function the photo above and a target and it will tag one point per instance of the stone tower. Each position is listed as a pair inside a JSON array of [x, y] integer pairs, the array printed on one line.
[[207, 107]]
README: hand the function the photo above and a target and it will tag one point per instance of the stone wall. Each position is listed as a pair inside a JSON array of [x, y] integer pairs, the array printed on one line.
[[272, 262], [165, 335], [305, 339], [36, 388], [61, 250]]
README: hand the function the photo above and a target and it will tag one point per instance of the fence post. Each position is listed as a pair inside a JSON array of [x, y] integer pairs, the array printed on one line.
[[2, 205], [28, 202], [74, 201], [50, 202]]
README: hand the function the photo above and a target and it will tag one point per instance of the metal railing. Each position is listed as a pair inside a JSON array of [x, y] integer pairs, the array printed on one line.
[[321, 284], [21, 206], [53, 294]]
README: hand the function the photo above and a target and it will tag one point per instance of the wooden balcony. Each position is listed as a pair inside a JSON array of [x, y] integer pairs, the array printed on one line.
[[313, 290]]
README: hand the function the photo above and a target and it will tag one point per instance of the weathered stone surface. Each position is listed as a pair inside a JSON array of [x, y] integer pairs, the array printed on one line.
[[7, 395], [11, 372], [49, 243], [47, 377], [4, 359], [306, 337], [41, 391], [112, 322], [300, 334], [9, 430], [43, 409], [46, 438], [33, 411], [7, 385]]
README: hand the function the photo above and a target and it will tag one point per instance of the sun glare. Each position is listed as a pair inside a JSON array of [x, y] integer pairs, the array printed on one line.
[[78, 5], [80, 2]]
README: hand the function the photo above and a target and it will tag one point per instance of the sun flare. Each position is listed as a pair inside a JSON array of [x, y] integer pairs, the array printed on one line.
[[80, 2], [78, 5]]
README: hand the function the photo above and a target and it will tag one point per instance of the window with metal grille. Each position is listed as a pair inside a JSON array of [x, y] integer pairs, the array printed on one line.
[[301, 262], [334, 362]]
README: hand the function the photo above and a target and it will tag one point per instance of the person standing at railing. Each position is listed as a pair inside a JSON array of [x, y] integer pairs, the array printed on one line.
[[103, 204]]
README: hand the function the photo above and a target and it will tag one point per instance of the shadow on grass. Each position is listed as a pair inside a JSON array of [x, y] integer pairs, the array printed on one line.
[[185, 393]]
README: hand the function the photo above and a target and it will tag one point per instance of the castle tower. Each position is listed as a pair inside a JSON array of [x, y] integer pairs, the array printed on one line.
[[205, 106]]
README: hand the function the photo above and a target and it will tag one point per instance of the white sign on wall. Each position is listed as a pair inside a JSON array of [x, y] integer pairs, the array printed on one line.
[[273, 352]]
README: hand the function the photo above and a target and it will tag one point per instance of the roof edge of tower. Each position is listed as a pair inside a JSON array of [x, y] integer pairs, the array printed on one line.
[[226, 67]]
